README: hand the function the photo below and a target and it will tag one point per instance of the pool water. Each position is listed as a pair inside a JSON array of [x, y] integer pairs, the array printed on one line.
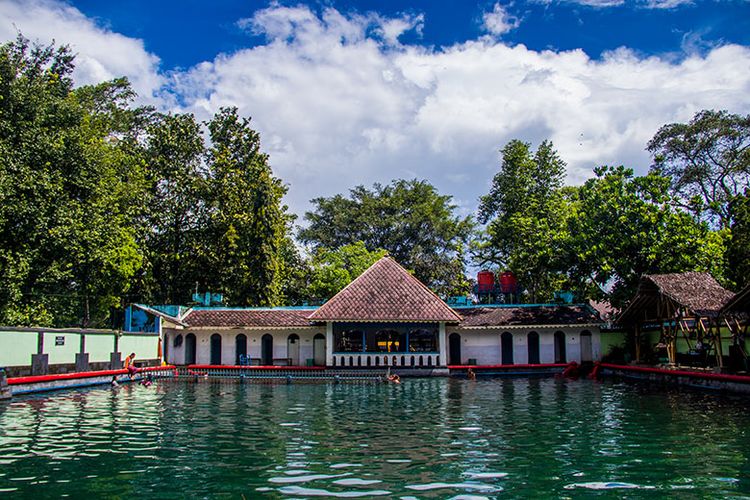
[[425, 438]]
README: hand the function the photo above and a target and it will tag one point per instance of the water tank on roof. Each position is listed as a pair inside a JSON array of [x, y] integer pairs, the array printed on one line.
[[508, 282], [485, 281]]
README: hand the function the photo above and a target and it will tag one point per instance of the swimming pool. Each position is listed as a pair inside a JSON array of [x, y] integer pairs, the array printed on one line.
[[425, 438]]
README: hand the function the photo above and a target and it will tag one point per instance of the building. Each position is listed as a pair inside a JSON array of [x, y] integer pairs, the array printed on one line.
[[385, 317]]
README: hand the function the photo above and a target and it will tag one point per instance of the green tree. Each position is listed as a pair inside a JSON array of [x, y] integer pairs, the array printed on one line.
[[246, 218], [525, 212], [409, 219], [738, 248], [332, 270], [175, 219], [707, 161], [72, 181], [625, 226]]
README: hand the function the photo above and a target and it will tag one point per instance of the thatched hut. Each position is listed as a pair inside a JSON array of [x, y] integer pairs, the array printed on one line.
[[687, 304]]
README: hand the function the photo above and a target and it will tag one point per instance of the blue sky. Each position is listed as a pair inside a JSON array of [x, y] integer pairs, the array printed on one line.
[[345, 93]]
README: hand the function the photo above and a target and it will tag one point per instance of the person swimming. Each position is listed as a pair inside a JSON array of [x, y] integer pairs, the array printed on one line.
[[114, 382]]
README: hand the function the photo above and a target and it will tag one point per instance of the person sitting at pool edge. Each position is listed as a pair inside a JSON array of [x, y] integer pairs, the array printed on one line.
[[130, 365]]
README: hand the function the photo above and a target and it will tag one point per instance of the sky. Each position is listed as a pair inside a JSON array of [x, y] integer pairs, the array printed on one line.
[[357, 92]]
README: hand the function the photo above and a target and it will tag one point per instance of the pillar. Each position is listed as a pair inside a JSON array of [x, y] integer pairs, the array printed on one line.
[[40, 361], [442, 341], [4, 388], [329, 343]]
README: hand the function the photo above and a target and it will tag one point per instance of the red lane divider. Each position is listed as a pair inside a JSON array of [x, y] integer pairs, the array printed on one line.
[[76, 375], [255, 367], [487, 367], [743, 379]]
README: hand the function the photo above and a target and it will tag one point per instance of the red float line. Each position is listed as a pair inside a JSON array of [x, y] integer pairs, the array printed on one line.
[[508, 367], [34, 379], [742, 379], [255, 367]]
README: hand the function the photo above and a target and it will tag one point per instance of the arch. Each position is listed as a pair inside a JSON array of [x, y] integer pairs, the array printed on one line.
[[333, 360], [190, 349], [385, 360], [506, 348], [429, 360], [215, 349], [412, 361], [292, 349], [421, 361], [377, 360], [319, 350], [177, 342], [369, 361], [240, 348], [266, 350], [587, 353], [403, 361], [351, 360], [454, 349], [560, 356], [359, 360], [166, 348], [532, 343]]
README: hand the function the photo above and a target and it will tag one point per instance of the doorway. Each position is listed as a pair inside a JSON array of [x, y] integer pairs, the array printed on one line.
[[506, 348], [190, 349], [454, 349], [292, 349], [266, 350], [319, 350]]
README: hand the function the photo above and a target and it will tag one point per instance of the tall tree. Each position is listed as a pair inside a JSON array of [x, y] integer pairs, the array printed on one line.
[[625, 226], [72, 181], [707, 161], [247, 220], [738, 248], [525, 212], [175, 216], [410, 219]]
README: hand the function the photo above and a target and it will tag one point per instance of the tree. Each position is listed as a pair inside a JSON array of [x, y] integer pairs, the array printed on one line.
[[72, 181], [332, 270], [707, 161], [525, 212], [409, 219], [625, 226], [175, 217], [246, 218], [738, 248]]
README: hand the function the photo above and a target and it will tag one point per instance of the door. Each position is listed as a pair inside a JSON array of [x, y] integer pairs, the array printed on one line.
[[190, 349], [533, 345], [292, 349], [266, 350], [506, 347], [586, 350], [319, 350], [215, 349], [560, 348], [454, 349], [240, 347]]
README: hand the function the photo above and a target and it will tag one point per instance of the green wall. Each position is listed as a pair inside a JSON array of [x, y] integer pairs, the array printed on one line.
[[99, 347], [16, 348], [62, 354], [144, 347]]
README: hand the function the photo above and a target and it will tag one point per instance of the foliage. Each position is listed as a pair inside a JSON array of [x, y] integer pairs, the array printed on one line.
[[333, 269], [71, 185], [409, 219], [707, 161], [625, 226], [738, 249], [525, 212]]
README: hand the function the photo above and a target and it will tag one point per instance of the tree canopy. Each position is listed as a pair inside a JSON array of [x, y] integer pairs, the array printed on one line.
[[409, 219]]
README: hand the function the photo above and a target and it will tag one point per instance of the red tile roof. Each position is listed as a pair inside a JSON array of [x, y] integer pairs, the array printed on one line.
[[238, 318], [386, 292], [536, 315]]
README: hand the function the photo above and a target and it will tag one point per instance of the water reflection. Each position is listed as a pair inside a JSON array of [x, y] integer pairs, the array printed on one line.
[[427, 438]]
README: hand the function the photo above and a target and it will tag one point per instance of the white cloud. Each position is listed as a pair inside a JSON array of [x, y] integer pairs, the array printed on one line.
[[101, 54], [339, 101], [499, 21]]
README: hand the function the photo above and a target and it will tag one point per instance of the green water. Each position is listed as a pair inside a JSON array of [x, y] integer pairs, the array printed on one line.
[[427, 438]]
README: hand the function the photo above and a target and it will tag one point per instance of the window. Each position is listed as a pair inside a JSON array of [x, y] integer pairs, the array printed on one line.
[[423, 340], [347, 341]]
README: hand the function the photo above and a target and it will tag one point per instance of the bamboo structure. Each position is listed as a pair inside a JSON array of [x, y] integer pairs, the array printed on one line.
[[680, 306]]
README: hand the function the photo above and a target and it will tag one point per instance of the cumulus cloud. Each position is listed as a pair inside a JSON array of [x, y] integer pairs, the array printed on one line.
[[640, 4], [499, 21], [101, 54], [339, 101]]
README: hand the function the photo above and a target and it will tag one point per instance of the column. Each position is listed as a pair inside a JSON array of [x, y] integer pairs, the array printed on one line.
[[442, 341], [329, 343]]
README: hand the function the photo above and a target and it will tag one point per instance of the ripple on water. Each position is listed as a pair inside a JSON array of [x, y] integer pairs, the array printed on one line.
[[606, 486], [453, 486], [356, 482], [314, 492], [304, 479]]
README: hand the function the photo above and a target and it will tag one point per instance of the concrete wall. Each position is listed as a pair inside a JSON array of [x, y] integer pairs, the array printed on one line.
[[176, 354], [485, 345], [16, 348]]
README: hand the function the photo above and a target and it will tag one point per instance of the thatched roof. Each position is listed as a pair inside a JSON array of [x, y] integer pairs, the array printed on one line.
[[537, 315], [659, 297], [740, 303]]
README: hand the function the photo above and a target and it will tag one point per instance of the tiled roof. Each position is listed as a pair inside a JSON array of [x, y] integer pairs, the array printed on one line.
[[740, 302], [248, 317], [535, 315], [385, 292]]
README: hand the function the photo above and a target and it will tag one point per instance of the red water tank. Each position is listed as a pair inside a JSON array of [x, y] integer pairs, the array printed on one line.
[[485, 281], [508, 282]]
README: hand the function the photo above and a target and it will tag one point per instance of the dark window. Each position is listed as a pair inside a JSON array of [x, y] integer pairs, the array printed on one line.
[[423, 340], [178, 340], [347, 341], [386, 341]]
